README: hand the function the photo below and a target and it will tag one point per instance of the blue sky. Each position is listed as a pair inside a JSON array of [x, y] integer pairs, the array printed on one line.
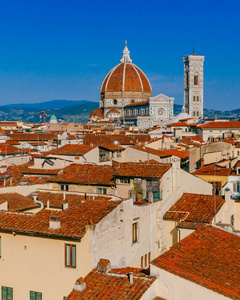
[[63, 49]]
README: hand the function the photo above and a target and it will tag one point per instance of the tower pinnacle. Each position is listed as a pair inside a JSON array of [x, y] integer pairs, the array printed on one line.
[[126, 55]]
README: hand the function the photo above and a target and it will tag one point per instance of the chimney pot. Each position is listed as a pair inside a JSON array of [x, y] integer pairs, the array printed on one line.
[[54, 222], [64, 205], [130, 276]]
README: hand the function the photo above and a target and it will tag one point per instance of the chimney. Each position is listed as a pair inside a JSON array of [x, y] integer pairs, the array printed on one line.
[[48, 205], [64, 205], [54, 222], [103, 266], [80, 285], [130, 277]]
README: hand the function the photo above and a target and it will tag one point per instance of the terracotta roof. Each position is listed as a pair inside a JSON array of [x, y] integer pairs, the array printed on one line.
[[194, 208], [32, 171], [137, 103], [17, 202], [126, 77], [179, 124], [223, 124], [86, 174], [73, 219], [33, 136], [114, 285], [98, 112], [73, 150], [145, 170], [112, 147], [181, 154], [100, 139], [152, 151], [9, 149], [191, 140], [114, 110], [213, 169], [208, 257]]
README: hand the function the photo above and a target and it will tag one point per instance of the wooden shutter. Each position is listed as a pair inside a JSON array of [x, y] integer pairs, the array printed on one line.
[[9, 293], [32, 295], [4, 293]]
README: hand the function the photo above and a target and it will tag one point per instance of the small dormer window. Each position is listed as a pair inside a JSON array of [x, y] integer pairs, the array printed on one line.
[[195, 79]]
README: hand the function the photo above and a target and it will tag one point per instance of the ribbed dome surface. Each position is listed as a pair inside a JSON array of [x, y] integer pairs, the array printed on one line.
[[126, 77]]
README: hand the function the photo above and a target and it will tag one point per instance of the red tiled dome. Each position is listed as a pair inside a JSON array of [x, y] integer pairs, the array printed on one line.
[[126, 77], [97, 113]]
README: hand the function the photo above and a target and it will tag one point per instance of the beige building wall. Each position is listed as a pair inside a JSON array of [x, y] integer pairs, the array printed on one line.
[[38, 264], [83, 188], [172, 287]]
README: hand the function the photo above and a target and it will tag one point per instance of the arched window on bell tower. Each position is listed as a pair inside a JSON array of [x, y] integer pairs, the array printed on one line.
[[195, 79]]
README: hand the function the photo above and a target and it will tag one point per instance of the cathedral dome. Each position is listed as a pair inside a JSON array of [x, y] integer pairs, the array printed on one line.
[[126, 77]]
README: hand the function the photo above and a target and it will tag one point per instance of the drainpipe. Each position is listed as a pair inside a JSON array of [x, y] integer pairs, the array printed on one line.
[[37, 201]]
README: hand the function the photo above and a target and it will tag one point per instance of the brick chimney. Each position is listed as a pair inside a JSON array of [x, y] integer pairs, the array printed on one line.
[[54, 222], [103, 266]]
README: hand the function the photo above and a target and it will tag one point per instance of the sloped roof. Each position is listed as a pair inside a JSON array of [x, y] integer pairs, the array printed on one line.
[[114, 285], [151, 151], [194, 208], [144, 170], [100, 139], [86, 174], [73, 150], [213, 169], [221, 124], [73, 220], [208, 257]]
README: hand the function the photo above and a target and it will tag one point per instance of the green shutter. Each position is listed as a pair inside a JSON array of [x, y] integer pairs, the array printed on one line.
[[4, 293], [32, 295], [10, 294], [38, 296], [7, 293]]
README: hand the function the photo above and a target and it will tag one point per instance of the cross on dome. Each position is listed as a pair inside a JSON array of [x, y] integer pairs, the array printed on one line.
[[126, 55]]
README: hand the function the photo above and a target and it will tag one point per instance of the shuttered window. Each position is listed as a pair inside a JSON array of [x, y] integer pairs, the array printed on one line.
[[7, 293], [35, 295]]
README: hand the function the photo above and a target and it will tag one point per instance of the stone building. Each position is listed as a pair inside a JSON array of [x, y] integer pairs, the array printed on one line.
[[193, 85]]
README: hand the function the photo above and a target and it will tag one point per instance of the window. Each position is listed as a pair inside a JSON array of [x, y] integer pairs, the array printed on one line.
[[70, 255], [141, 261], [101, 191], [195, 79], [194, 98], [146, 260], [132, 154], [124, 180], [7, 293], [134, 232], [236, 187], [35, 295], [64, 187]]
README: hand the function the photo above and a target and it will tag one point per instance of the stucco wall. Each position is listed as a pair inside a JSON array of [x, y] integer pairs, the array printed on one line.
[[38, 264], [172, 287]]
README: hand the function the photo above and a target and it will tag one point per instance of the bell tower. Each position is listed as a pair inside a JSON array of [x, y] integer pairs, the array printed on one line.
[[193, 85]]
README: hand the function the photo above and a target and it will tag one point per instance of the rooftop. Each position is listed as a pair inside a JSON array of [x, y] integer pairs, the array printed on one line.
[[86, 174], [208, 257], [114, 285], [145, 170], [73, 150], [194, 208], [81, 212]]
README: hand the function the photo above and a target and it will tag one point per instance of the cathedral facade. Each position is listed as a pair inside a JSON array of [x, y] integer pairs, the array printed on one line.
[[126, 95]]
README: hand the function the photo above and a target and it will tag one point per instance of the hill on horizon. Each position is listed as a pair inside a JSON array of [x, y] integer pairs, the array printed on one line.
[[78, 111]]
